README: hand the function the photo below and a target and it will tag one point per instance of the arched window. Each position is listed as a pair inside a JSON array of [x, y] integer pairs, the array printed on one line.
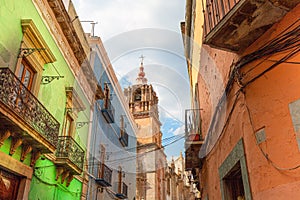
[[138, 95]]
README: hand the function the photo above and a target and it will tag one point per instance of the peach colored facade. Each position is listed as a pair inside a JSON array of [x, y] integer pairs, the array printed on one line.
[[151, 160], [254, 131]]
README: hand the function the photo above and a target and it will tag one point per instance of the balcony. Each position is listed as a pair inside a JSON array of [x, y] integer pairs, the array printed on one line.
[[123, 138], [104, 175], [193, 133], [122, 190], [107, 110], [69, 155], [193, 138], [25, 117], [235, 24]]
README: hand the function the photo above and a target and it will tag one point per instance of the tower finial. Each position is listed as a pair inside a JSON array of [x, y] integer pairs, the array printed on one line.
[[141, 75], [142, 58]]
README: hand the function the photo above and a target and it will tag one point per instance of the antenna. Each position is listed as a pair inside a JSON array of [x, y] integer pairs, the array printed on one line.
[[93, 26]]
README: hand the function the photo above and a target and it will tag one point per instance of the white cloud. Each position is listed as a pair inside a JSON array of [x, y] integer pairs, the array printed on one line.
[[179, 131], [117, 16], [130, 28]]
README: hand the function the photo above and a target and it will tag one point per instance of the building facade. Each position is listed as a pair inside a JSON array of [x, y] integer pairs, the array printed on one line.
[[246, 55], [151, 159], [45, 101], [112, 152], [179, 182]]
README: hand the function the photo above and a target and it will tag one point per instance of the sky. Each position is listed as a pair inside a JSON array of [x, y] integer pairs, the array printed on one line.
[[131, 28]]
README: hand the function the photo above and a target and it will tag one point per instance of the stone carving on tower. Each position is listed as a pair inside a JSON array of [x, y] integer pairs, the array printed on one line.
[[151, 159]]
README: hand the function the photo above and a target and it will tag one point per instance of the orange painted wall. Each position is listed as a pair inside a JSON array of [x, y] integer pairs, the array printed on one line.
[[214, 69], [268, 100]]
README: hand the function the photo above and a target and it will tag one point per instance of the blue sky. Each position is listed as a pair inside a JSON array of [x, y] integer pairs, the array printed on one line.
[[129, 28]]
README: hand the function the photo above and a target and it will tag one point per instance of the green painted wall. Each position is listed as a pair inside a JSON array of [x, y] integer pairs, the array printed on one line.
[[52, 96], [48, 188], [5, 148]]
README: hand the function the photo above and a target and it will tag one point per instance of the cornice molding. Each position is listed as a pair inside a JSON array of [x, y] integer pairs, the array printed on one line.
[[31, 33], [55, 29], [58, 32], [68, 29]]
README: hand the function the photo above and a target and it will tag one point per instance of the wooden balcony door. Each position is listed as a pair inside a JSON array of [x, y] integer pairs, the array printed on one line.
[[102, 160], [9, 185], [26, 74]]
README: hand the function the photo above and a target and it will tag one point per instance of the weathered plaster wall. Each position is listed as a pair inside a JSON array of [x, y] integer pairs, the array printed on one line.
[[212, 79], [268, 100]]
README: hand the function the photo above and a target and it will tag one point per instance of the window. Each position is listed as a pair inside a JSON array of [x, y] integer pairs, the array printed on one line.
[[122, 125], [233, 175], [26, 74], [102, 160], [196, 97], [102, 153], [168, 186], [107, 96], [101, 167], [69, 125], [137, 95], [160, 177], [123, 134], [34, 54], [120, 174], [107, 108], [233, 183], [74, 105]]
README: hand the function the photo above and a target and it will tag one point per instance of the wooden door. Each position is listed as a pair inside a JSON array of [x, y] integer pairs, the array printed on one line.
[[9, 185]]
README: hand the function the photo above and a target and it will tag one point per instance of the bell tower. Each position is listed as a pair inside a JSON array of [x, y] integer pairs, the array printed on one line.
[[151, 159], [143, 104]]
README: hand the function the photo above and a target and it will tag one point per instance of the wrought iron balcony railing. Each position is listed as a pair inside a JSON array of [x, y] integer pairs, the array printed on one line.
[[69, 154], [122, 190], [193, 138], [123, 137], [104, 175], [193, 125], [18, 99], [107, 110]]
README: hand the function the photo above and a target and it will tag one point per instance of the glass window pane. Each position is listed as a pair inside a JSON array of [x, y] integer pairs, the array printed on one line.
[[69, 121], [27, 78], [21, 71]]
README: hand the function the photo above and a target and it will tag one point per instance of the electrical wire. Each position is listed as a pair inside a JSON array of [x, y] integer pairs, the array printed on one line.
[[261, 150], [288, 62], [273, 66], [167, 139], [142, 154], [286, 40], [124, 159], [173, 117]]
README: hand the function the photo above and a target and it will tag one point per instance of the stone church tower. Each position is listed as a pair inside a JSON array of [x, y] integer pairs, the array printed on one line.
[[151, 159]]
